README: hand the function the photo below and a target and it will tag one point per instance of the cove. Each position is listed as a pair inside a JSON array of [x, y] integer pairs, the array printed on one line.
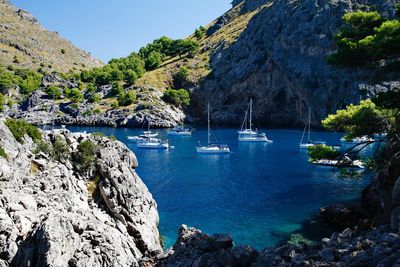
[[259, 193]]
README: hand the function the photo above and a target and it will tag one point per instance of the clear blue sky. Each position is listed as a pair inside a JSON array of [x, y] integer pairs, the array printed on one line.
[[111, 29]]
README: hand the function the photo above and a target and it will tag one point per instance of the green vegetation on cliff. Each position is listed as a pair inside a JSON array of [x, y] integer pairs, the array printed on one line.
[[3, 153], [20, 128], [322, 152], [366, 36], [358, 120], [179, 97], [85, 155]]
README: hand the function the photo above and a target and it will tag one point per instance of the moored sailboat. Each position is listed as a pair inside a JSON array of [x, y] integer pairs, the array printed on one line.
[[145, 136], [247, 134], [307, 128], [212, 148]]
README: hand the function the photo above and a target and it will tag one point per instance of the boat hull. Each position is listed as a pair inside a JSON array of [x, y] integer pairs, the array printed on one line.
[[255, 140], [212, 150], [306, 146], [180, 134], [152, 146]]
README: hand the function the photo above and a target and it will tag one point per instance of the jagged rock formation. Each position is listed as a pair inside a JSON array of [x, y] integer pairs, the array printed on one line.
[[52, 214], [25, 43], [376, 247], [280, 60]]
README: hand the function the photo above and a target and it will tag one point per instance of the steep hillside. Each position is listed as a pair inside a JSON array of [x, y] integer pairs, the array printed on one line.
[[24, 43], [280, 60], [220, 34], [276, 53]]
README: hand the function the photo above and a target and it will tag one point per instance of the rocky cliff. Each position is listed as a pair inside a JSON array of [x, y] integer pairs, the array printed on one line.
[[24, 43], [280, 60], [53, 214]]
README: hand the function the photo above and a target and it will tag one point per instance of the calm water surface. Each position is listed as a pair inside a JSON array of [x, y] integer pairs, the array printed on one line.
[[257, 193]]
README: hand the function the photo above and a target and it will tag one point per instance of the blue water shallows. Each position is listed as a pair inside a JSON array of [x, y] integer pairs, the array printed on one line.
[[256, 193]]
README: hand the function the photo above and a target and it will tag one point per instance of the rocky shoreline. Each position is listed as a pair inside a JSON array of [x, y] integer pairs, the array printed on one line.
[[53, 214]]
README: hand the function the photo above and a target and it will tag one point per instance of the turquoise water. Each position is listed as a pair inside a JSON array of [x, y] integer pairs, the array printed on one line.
[[258, 193]]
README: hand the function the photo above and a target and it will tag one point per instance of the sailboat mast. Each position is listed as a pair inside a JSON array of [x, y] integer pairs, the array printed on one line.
[[208, 123], [309, 124], [251, 112]]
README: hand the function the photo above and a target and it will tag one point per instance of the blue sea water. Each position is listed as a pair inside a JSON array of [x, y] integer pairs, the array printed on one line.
[[258, 193]]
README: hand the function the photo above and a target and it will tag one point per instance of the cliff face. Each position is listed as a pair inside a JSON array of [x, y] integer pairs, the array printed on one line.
[[53, 215], [280, 60], [24, 43]]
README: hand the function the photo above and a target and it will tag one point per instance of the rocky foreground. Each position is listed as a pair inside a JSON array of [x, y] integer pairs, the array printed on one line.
[[54, 214], [50, 216]]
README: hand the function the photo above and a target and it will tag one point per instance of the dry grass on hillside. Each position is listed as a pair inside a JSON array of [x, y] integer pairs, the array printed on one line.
[[26, 44], [199, 67]]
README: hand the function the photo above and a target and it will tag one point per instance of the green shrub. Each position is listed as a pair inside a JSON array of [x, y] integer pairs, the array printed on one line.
[[75, 95], [7, 81], [91, 88], [366, 36], [61, 149], [27, 80], [117, 89], [126, 99], [112, 138], [199, 33], [16, 59], [2, 102], [114, 105], [182, 75], [10, 103], [63, 51], [322, 152], [20, 128], [96, 98], [179, 97], [85, 156], [43, 147], [54, 92], [3, 153], [358, 120], [153, 60]]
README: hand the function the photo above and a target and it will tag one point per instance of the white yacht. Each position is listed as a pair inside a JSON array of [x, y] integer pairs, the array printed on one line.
[[247, 134], [307, 128], [180, 131], [145, 136], [152, 143], [212, 148]]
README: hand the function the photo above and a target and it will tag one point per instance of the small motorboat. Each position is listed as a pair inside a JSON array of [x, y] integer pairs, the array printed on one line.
[[180, 131]]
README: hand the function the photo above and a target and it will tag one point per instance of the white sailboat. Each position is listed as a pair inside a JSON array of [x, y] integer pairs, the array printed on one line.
[[145, 136], [180, 131], [152, 143], [247, 134], [307, 127], [212, 148]]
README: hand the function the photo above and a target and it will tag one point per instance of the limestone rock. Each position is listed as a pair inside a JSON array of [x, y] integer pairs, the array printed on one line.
[[49, 216]]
